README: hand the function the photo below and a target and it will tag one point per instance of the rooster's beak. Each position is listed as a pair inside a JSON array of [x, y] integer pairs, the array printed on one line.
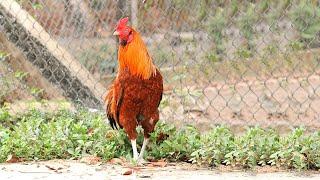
[[116, 33]]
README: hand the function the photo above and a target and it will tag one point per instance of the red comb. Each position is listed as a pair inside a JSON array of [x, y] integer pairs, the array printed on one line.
[[123, 21]]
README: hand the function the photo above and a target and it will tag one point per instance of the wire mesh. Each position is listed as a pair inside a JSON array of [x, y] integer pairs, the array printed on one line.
[[240, 63]]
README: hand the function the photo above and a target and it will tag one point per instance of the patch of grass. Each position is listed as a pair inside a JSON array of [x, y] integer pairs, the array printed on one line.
[[216, 27], [37, 135], [246, 24], [306, 19]]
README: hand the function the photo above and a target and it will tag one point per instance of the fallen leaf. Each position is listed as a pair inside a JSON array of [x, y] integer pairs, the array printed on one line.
[[144, 176], [123, 159], [91, 160], [117, 161], [157, 164], [127, 172], [13, 159], [151, 159], [109, 135], [90, 131], [136, 169]]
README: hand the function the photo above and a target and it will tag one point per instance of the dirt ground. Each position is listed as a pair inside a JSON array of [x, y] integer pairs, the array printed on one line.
[[280, 103], [69, 169]]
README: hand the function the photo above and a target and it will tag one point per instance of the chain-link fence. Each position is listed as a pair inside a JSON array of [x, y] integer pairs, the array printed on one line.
[[239, 63]]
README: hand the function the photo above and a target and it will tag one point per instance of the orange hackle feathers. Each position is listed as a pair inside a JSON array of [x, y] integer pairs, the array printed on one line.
[[135, 57]]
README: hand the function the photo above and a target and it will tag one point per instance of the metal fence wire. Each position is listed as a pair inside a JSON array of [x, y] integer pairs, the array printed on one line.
[[240, 63]]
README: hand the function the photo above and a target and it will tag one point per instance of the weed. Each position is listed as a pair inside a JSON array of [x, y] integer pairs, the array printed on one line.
[[37, 92], [37, 6], [3, 55], [20, 75], [37, 135], [244, 53]]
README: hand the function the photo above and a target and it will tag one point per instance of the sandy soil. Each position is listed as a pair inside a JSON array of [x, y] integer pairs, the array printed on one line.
[[67, 169]]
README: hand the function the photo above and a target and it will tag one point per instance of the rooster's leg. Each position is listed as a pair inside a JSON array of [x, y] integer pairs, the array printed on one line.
[[134, 149], [144, 145]]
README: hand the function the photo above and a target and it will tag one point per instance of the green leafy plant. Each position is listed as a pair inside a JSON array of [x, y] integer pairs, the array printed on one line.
[[178, 146], [214, 147], [60, 135], [4, 114], [36, 135]]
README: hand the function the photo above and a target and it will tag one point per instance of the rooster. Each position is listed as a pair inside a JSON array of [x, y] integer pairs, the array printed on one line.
[[134, 96]]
